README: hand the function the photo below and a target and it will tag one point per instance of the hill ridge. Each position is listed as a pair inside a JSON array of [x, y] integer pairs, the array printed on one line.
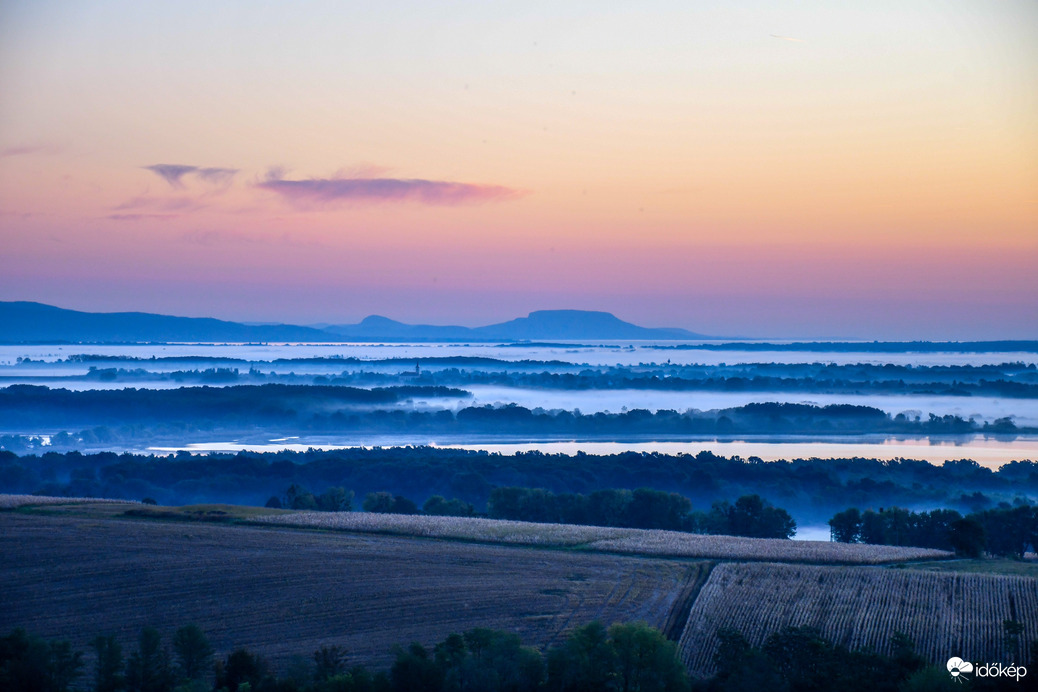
[[33, 322]]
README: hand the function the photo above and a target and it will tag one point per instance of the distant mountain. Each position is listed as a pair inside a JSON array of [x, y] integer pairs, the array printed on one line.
[[26, 322], [385, 329], [22, 322], [539, 325], [578, 324]]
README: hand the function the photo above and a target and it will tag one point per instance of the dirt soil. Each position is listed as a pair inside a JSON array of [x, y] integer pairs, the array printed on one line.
[[283, 592]]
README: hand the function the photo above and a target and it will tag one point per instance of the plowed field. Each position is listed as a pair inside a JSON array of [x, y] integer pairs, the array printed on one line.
[[282, 592]]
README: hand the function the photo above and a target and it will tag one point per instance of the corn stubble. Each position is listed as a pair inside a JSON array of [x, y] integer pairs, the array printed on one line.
[[946, 614], [629, 541]]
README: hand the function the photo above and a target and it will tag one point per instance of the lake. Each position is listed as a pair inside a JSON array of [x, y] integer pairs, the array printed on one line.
[[986, 451], [50, 367]]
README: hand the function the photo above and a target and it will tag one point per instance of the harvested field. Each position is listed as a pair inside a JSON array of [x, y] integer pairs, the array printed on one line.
[[631, 541], [282, 592], [945, 614], [16, 501]]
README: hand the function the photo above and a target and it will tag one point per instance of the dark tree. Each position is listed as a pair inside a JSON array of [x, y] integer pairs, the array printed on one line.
[[108, 669], [496, 662], [65, 665], [148, 668], [586, 662], [846, 526], [414, 670], [1010, 532], [873, 529], [32, 664], [329, 661], [437, 505], [240, 667], [379, 503], [403, 505], [803, 658], [968, 537], [731, 653], [609, 507], [754, 517], [335, 500], [904, 656], [742, 668], [645, 660], [655, 509], [298, 497], [193, 651]]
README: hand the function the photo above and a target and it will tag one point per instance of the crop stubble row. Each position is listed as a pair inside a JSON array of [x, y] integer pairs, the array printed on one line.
[[617, 540], [946, 614]]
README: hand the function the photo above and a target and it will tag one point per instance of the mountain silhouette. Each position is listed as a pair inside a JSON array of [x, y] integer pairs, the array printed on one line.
[[22, 322], [28, 322], [578, 324]]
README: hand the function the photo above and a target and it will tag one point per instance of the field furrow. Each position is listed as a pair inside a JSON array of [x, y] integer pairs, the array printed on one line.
[[282, 592], [945, 614]]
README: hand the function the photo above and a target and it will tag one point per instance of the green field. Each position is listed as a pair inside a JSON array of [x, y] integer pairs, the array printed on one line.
[[1019, 568]]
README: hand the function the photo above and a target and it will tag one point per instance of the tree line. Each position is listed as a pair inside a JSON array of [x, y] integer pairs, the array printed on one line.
[[800, 659], [631, 657], [625, 657], [811, 490], [1006, 380], [1002, 532], [643, 508], [321, 408]]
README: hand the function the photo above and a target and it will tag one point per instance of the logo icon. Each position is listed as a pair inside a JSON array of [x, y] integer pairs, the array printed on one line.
[[957, 667]]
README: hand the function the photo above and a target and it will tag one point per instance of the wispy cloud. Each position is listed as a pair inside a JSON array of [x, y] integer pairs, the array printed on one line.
[[160, 204], [173, 173], [212, 238], [218, 176], [360, 170], [787, 38], [339, 189], [27, 149], [141, 217], [276, 172], [209, 237]]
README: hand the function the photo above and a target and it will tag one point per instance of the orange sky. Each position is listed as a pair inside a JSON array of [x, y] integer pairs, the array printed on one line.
[[740, 168]]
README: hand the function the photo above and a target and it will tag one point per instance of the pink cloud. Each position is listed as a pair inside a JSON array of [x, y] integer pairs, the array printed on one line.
[[433, 192], [161, 204], [173, 173], [141, 217], [27, 149]]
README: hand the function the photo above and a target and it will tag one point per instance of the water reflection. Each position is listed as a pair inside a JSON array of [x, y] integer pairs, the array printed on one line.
[[986, 451]]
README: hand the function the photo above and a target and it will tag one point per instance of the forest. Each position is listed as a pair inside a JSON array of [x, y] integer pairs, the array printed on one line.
[[811, 490], [1001, 531], [139, 413], [1011, 379], [625, 657]]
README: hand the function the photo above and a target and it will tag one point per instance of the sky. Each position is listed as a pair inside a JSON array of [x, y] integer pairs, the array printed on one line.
[[775, 170]]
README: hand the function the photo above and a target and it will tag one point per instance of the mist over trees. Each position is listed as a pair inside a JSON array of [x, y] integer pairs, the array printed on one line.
[[1007, 380], [811, 490], [644, 508], [144, 413]]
